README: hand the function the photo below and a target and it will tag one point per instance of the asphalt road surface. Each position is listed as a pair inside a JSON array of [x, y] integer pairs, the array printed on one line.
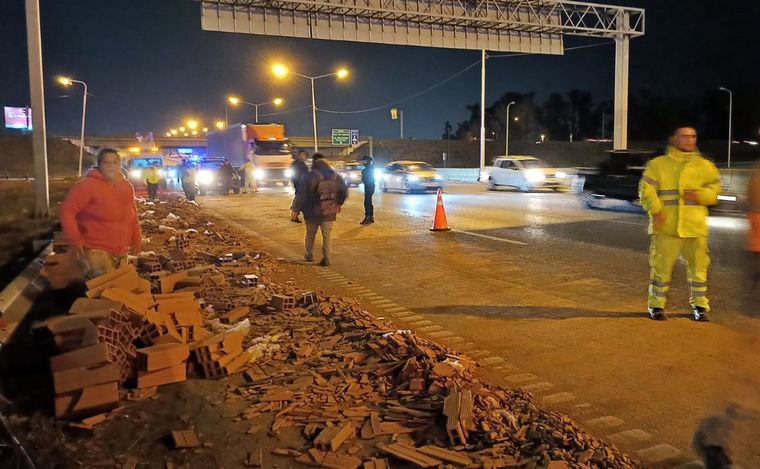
[[559, 292]]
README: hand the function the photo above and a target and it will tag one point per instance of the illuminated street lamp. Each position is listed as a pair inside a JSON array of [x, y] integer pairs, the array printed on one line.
[[234, 100], [281, 71], [219, 125], [168, 134], [173, 131], [181, 129], [192, 124], [65, 81], [506, 133]]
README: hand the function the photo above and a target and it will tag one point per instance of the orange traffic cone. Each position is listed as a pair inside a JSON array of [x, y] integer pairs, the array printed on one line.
[[440, 223]]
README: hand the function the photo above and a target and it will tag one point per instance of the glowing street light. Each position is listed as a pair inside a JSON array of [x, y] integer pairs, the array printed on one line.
[[66, 81], [281, 71], [219, 125], [234, 100], [173, 131], [192, 124], [182, 129], [205, 129], [168, 134]]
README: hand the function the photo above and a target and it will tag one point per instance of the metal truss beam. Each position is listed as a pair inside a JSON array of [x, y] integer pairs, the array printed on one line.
[[530, 16]]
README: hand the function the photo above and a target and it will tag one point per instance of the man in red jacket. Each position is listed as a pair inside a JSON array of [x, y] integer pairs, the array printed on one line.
[[99, 217]]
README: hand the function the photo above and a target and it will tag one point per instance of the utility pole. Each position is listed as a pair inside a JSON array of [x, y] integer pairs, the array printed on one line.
[[37, 92], [482, 112]]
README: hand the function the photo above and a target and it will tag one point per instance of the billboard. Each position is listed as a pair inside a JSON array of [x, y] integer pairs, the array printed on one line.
[[18, 118]]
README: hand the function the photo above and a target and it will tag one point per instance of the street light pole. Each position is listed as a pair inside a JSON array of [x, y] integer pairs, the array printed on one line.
[[68, 82], [401, 122], [313, 113], [506, 133], [730, 120]]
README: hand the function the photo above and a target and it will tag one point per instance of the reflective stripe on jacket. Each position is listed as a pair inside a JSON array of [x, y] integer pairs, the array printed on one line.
[[662, 188]]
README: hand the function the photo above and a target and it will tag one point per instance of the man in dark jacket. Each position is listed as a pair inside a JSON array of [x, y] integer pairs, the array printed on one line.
[[368, 179], [299, 169], [320, 197], [226, 172]]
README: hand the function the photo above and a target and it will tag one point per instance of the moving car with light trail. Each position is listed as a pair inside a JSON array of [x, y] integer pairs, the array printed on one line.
[[351, 173], [208, 179], [265, 144], [410, 176], [525, 173]]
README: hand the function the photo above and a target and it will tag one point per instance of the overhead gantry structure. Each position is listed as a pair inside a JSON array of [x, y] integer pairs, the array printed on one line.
[[527, 26]]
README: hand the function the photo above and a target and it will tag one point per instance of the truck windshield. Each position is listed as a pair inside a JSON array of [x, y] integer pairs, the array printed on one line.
[[145, 162], [264, 147]]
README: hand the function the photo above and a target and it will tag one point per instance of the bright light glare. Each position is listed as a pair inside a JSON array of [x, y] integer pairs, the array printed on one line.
[[135, 173], [168, 134], [534, 175], [280, 70], [560, 174], [234, 100], [181, 129], [205, 129], [413, 178], [288, 173], [378, 174], [173, 131], [65, 81], [160, 173], [195, 132], [134, 149], [484, 176], [192, 124], [259, 174], [219, 125], [277, 101], [204, 177], [342, 73]]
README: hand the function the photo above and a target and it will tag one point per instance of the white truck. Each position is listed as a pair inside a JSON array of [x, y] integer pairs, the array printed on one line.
[[264, 144]]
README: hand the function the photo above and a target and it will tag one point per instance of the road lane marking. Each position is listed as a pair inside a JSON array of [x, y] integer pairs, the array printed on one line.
[[494, 238]]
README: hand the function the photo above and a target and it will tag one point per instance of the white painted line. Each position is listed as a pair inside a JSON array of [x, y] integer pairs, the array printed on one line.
[[393, 309], [494, 238]]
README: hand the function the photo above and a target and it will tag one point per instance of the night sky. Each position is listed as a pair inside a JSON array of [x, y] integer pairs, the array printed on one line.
[[149, 66]]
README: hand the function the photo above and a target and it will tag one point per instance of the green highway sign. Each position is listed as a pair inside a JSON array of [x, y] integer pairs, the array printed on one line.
[[341, 137]]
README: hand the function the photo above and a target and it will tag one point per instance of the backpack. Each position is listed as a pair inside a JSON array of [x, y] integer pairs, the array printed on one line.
[[328, 190]]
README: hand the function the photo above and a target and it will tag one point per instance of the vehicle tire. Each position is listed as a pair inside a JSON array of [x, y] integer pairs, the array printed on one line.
[[407, 188], [588, 200], [524, 188], [491, 185]]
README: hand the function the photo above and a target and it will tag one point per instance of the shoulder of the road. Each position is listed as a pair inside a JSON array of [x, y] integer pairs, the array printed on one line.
[[641, 443]]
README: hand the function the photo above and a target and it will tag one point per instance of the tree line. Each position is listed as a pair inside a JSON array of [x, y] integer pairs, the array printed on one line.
[[577, 116]]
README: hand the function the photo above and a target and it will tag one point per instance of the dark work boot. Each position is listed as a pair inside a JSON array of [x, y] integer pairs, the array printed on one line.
[[699, 314], [658, 314]]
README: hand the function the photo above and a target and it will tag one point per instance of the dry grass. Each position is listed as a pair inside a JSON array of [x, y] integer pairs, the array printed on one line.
[[17, 227]]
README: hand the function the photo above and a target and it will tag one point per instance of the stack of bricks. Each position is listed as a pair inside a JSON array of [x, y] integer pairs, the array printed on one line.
[[221, 355], [61, 269], [85, 374], [162, 364]]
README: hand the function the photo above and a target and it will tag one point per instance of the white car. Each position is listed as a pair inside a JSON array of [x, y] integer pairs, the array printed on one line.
[[525, 173], [410, 176]]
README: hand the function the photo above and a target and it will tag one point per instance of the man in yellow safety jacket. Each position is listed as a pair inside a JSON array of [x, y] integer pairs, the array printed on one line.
[[676, 190], [250, 177], [152, 179]]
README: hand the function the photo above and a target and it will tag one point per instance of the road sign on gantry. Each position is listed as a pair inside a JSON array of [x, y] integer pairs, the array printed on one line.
[[341, 137], [354, 136]]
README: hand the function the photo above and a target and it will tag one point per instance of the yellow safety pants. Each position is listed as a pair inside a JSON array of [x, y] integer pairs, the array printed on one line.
[[663, 254]]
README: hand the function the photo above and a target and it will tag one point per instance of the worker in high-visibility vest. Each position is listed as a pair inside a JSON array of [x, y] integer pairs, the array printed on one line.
[[753, 216], [676, 190], [250, 177], [152, 178]]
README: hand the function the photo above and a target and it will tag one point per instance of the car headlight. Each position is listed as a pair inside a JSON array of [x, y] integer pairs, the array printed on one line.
[[204, 177], [534, 175], [484, 176], [412, 178], [438, 177], [135, 173], [379, 174], [560, 175], [259, 174], [289, 173]]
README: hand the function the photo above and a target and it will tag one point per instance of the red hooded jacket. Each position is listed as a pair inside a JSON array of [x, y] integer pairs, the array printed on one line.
[[98, 214]]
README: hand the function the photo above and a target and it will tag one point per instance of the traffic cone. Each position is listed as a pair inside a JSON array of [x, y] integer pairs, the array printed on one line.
[[440, 223]]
